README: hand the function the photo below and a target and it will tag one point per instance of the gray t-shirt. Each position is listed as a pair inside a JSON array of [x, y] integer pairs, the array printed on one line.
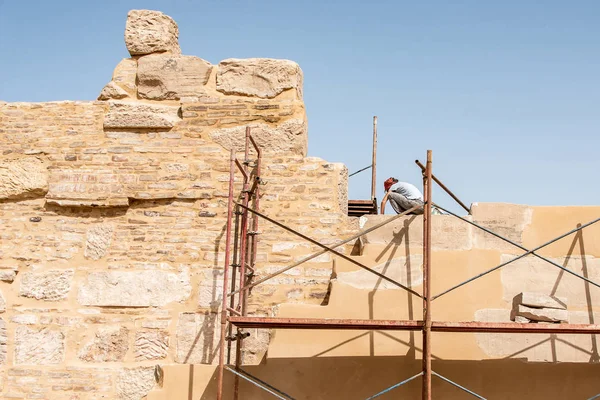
[[407, 190]]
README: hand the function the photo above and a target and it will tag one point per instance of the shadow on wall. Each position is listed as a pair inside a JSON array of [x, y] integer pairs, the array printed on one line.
[[349, 378]]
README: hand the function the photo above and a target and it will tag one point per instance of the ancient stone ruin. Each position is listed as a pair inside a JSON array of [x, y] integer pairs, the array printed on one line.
[[112, 250]]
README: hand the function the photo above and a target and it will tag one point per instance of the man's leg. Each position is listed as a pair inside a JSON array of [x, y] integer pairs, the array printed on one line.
[[400, 203]]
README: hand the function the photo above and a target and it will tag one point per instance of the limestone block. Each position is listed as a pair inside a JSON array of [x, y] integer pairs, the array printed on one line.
[[109, 344], [543, 314], [112, 91], [289, 137], [197, 338], [140, 115], [2, 303], [8, 276], [53, 285], [408, 272], [23, 178], [134, 289], [447, 232], [150, 31], [3, 342], [507, 220], [168, 77], [540, 300], [531, 274], [260, 77], [151, 345], [34, 346], [135, 383], [125, 75], [522, 320], [98, 241]]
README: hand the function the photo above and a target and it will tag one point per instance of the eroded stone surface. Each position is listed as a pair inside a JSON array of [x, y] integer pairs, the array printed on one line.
[[408, 272], [151, 345], [289, 137], [531, 274], [53, 285], [112, 91], [140, 115], [197, 338], [22, 178], [540, 300], [210, 292], [3, 342], [109, 344], [34, 346], [7, 276], [150, 31], [135, 383], [260, 77], [125, 75], [134, 289], [168, 77], [2, 303], [98, 241], [507, 220]]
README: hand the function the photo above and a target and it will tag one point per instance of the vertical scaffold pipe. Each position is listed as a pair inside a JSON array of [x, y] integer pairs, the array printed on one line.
[[225, 277], [427, 183]]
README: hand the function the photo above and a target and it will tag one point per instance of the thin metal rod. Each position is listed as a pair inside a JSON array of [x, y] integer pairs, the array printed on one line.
[[360, 170], [521, 247], [384, 391], [445, 188], [374, 161], [321, 252], [427, 183], [516, 258], [256, 192], [257, 382], [337, 253], [464, 389], [595, 397], [242, 169], [225, 278]]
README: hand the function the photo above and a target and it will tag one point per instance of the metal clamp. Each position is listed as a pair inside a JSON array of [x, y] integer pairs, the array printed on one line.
[[238, 335]]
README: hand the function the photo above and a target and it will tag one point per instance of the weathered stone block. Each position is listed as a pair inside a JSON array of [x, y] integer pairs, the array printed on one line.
[[135, 383], [7, 276], [289, 137], [98, 241], [260, 77], [210, 292], [3, 342], [109, 344], [38, 346], [167, 77], [2, 303], [508, 220], [543, 314], [125, 75], [134, 289], [139, 115], [22, 178], [150, 31], [51, 285], [112, 91], [151, 345], [197, 338], [540, 300]]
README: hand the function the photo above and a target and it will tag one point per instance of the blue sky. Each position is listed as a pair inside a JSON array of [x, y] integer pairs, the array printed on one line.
[[505, 93]]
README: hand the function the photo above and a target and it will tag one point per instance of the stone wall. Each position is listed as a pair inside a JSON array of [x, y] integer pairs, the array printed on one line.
[[113, 214]]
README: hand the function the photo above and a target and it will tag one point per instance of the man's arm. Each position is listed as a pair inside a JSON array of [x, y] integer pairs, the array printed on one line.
[[382, 209]]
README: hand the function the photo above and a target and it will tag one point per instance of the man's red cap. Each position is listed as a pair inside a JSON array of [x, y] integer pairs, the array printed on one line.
[[388, 183]]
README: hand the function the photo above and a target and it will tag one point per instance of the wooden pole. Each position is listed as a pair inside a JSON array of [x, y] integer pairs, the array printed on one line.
[[374, 162]]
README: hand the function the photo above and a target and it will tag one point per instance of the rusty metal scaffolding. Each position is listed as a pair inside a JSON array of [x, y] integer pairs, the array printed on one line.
[[234, 314]]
